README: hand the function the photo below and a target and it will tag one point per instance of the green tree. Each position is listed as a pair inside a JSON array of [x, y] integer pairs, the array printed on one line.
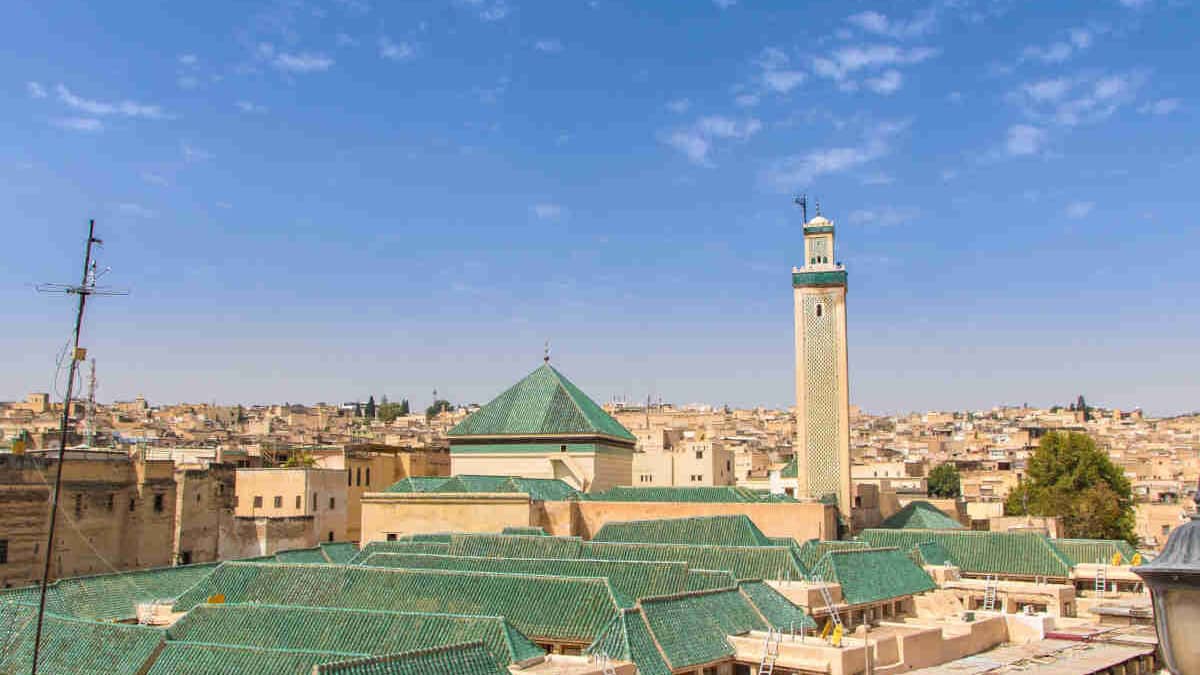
[[1073, 480], [404, 409], [390, 411], [300, 460], [370, 409], [944, 481], [439, 406]]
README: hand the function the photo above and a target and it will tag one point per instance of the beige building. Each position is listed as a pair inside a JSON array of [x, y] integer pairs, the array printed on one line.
[[822, 371], [279, 509], [698, 463]]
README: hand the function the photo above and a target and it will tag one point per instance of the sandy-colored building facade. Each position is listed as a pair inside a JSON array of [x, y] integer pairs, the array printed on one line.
[[278, 509]]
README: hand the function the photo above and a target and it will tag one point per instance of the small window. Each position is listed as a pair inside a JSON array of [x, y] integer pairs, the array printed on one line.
[[699, 454], [132, 504], [391, 536], [1166, 529], [349, 477], [78, 507], [314, 502], [331, 535], [197, 497], [278, 502], [562, 448], [185, 557], [368, 476], [158, 503], [258, 501], [109, 502], [332, 502], [298, 498], [820, 309], [358, 477], [3, 551]]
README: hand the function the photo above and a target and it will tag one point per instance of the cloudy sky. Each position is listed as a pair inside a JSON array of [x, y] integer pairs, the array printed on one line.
[[322, 200]]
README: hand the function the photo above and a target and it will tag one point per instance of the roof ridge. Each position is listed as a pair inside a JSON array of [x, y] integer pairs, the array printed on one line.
[[684, 594], [348, 610], [254, 648]]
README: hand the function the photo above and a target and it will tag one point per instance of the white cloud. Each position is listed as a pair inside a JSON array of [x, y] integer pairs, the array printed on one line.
[[395, 51], [547, 211], [1024, 139], [135, 210], [80, 124], [724, 4], [302, 62], [550, 46], [1078, 210], [848, 60], [154, 179], [880, 24], [1135, 4], [193, 154], [789, 173], [101, 108], [1073, 101], [679, 106], [35, 90], [488, 10], [884, 216], [1163, 106], [777, 74], [250, 107], [696, 141], [888, 82]]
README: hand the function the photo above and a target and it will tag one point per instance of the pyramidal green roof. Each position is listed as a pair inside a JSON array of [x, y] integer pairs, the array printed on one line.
[[545, 402], [921, 515]]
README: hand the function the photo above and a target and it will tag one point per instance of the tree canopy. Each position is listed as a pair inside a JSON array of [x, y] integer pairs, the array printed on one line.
[[390, 411], [439, 406], [944, 481], [1073, 480]]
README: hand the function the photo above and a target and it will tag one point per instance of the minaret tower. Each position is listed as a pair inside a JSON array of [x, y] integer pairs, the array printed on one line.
[[822, 382]]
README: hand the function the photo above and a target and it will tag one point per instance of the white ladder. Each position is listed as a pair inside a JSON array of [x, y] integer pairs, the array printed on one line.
[[766, 665], [989, 594], [827, 599], [606, 665], [1101, 579]]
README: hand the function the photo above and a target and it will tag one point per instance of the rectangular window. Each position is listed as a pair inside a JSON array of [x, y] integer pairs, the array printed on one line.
[[278, 502], [358, 476], [78, 507], [314, 502], [158, 503], [349, 477], [368, 476], [331, 503], [132, 504], [185, 557], [1166, 529], [391, 536], [298, 498], [699, 454], [109, 502], [258, 501], [3, 551]]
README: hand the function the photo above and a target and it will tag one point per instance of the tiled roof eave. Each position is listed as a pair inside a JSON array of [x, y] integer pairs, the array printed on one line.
[[533, 437]]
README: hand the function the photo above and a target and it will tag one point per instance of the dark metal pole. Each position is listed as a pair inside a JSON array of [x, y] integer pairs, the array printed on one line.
[[62, 442]]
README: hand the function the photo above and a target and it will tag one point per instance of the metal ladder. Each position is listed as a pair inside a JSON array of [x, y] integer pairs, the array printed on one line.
[[766, 665], [827, 599], [1101, 579], [989, 594]]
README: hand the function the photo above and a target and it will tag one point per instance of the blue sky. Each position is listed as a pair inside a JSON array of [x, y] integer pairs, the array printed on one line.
[[320, 200]]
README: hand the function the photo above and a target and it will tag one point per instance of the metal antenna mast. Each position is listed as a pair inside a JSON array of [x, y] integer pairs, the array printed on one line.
[[87, 287], [802, 200], [90, 429]]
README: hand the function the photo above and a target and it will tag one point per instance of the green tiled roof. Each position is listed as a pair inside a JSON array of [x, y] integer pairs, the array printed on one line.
[[1093, 550], [349, 630], [701, 494], [197, 658], [462, 659], [340, 552], [434, 547], [540, 489], [790, 470], [813, 550], [631, 580], [780, 612], [113, 597], [707, 580], [921, 515], [1024, 554], [744, 562], [691, 628], [542, 607], [932, 553], [527, 529], [302, 555], [543, 403], [514, 546], [418, 484], [873, 574], [736, 530], [72, 645], [628, 638]]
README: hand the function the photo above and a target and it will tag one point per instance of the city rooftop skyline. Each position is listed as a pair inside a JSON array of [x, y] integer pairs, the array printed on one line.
[[319, 201]]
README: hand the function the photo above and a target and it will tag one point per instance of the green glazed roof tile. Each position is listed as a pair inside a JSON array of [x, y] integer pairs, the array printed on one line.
[[707, 580], [71, 645], [544, 402], [197, 658], [932, 553], [113, 597], [418, 484], [873, 574], [1093, 550], [734, 530], [514, 546], [527, 529], [1022, 554], [349, 630], [542, 607], [461, 659], [790, 470], [691, 628], [301, 555], [780, 612], [921, 515], [340, 552], [402, 546], [813, 550], [628, 638], [699, 494], [631, 580], [539, 489], [744, 562]]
